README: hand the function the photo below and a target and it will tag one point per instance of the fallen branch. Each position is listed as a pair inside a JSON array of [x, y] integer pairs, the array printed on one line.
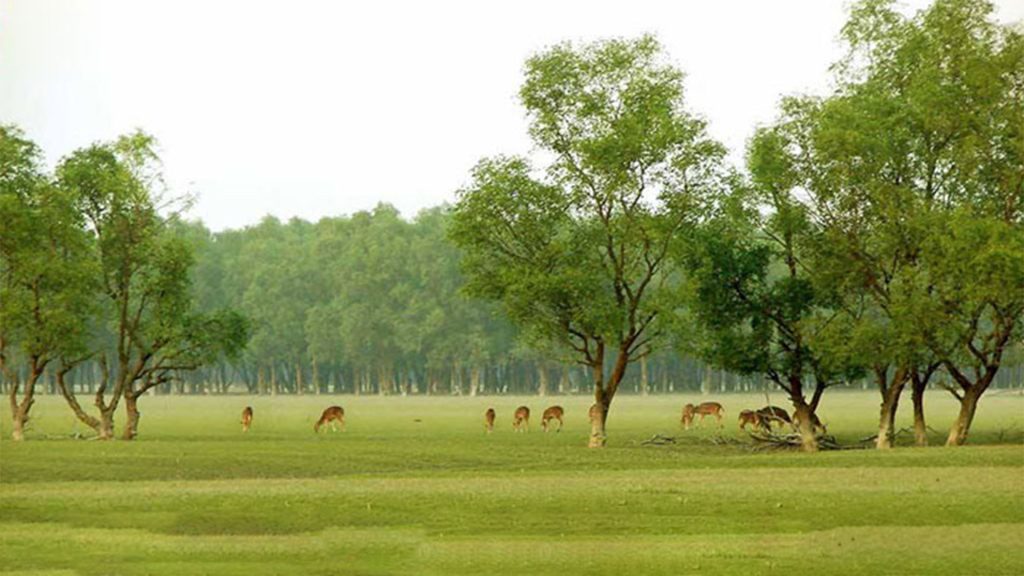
[[771, 441], [659, 440]]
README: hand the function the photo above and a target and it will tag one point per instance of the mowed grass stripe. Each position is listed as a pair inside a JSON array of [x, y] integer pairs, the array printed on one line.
[[395, 496]]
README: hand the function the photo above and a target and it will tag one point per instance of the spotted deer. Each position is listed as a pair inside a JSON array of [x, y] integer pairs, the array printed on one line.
[[749, 417], [246, 418], [489, 420], [334, 416], [703, 409], [521, 419], [552, 413]]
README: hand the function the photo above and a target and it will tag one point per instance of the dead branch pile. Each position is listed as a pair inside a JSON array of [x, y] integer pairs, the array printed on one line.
[[764, 440]]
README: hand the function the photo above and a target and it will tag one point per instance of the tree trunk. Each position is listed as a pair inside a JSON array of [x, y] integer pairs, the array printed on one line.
[[106, 427], [890, 402], [72, 401], [20, 410], [644, 384], [598, 419], [131, 407], [920, 427], [804, 421], [962, 425], [298, 378], [542, 379]]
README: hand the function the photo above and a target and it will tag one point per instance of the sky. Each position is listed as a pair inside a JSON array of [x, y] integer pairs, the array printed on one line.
[[312, 109]]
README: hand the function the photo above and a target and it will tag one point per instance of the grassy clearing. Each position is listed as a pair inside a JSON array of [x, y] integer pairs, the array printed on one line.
[[415, 487]]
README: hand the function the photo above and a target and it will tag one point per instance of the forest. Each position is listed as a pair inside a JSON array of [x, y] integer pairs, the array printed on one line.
[[873, 239]]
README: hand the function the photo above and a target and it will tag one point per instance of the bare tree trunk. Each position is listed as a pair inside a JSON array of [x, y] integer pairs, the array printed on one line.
[[20, 410], [920, 427], [542, 379], [644, 384], [598, 419], [803, 420], [890, 402], [72, 401], [298, 378], [106, 429], [131, 407], [962, 424]]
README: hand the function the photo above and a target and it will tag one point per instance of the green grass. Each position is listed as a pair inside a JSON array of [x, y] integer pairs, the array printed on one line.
[[394, 495]]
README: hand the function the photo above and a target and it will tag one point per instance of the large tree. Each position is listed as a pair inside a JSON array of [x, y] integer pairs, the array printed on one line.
[[152, 332], [914, 169], [46, 281], [761, 298], [578, 256]]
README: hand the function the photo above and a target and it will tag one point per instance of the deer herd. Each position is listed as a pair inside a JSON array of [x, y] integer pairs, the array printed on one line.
[[764, 418]]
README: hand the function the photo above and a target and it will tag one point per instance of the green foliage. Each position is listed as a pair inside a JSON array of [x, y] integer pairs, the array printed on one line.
[[578, 258], [46, 277]]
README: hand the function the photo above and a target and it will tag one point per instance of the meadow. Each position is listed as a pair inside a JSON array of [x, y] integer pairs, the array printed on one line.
[[415, 486]]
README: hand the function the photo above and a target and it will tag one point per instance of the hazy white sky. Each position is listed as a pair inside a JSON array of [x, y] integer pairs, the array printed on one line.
[[322, 108]]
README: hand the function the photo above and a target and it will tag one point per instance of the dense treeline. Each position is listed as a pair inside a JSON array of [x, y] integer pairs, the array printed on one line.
[[373, 304], [874, 239]]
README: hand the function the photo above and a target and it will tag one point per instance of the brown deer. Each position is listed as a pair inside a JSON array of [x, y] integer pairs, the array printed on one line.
[[334, 416], [489, 420], [703, 409], [246, 418], [552, 413], [773, 415], [521, 419], [749, 417]]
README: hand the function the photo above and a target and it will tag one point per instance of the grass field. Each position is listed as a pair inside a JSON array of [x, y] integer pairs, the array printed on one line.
[[393, 495]]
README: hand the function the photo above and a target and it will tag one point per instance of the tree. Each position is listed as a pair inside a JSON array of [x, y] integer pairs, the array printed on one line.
[[759, 296], [912, 169], [46, 287], [579, 258], [152, 331]]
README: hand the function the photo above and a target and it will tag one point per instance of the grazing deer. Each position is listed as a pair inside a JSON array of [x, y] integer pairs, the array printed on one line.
[[773, 415], [703, 409], [521, 419], [334, 416], [246, 418], [749, 417], [552, 413], [489, 420]]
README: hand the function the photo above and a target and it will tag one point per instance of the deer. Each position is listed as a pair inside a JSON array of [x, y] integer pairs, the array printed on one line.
[[334, 416], [749, 417], [703, 409], [521, 419], [246, 418], [773, 415], [489, 420], [552, 413]]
